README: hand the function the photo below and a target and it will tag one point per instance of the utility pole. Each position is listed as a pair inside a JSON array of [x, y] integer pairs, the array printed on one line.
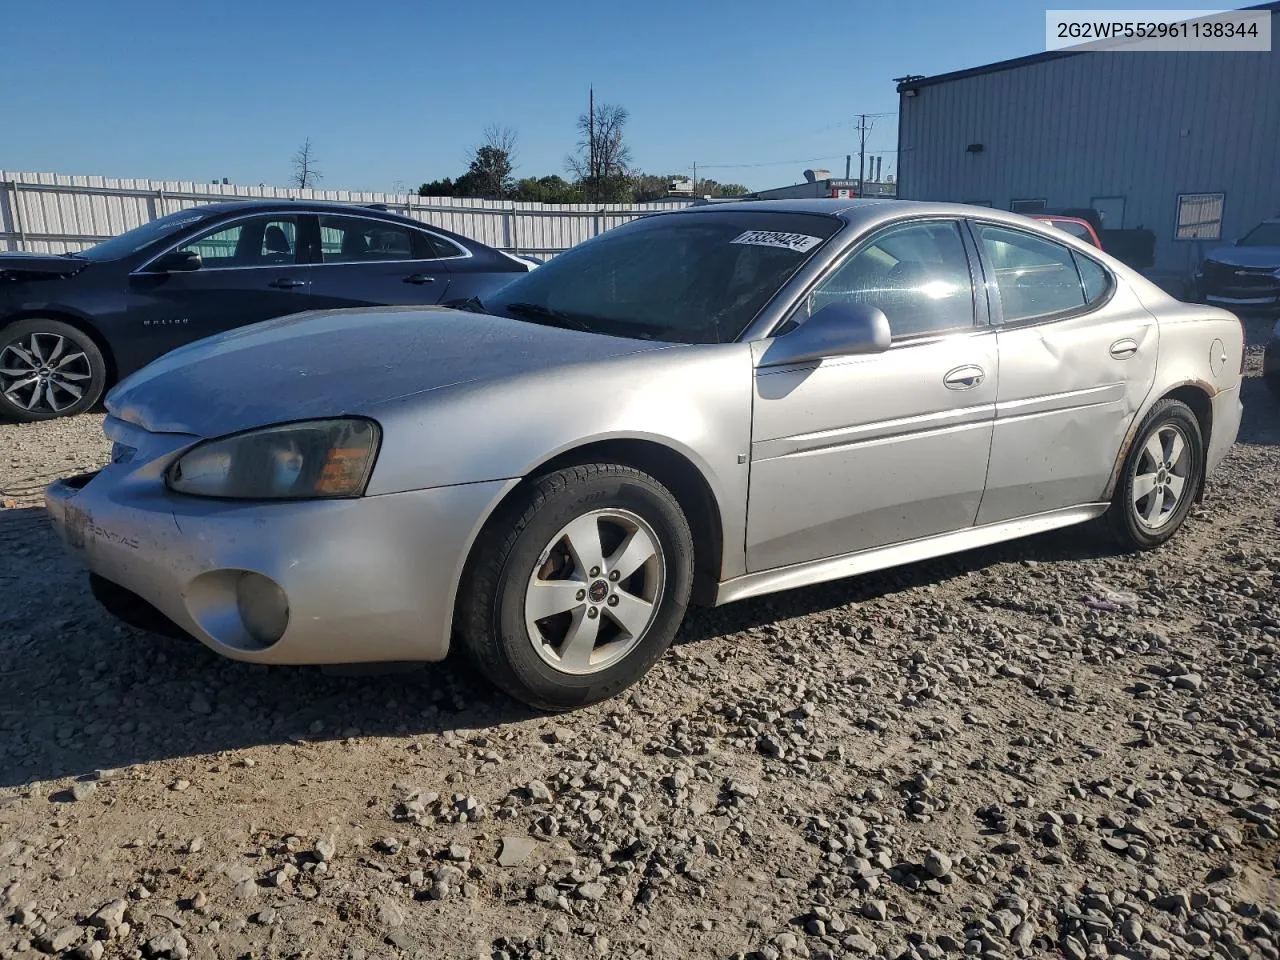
[[862, 150], [591, 142]]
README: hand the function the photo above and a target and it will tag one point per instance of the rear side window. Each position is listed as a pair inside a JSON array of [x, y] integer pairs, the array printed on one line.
[[1037, 278], [1096, 280], [441, 248], [355, 240]]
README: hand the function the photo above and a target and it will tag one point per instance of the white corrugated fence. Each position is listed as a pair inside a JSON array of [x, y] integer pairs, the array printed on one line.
[[56, 213]]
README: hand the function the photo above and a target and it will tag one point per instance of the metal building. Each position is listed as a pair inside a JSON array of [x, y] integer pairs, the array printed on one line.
[[1184, 144]]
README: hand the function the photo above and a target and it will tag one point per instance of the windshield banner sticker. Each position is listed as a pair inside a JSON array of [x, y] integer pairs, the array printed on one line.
[[800, 242]]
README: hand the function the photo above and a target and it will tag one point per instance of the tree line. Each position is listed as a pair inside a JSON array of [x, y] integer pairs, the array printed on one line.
[[599, 170]]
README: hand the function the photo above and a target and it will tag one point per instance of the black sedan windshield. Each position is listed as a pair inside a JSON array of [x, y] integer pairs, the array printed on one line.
[[134, 240], [684, 278]]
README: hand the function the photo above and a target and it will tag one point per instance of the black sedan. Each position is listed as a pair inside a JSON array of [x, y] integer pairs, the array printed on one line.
[[73, 324]]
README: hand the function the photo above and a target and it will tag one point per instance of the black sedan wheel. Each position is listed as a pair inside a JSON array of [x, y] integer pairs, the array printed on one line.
[[48, 369], [579, 586]]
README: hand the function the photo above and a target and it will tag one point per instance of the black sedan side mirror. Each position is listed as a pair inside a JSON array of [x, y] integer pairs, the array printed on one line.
[[840, 329], [178, 261]]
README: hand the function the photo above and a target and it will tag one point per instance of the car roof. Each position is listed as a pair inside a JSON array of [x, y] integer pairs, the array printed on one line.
[[311, 206], [862, 212]]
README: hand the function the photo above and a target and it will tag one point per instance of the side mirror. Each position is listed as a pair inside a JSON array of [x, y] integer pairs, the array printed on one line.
[[840, 329], [178, 261]]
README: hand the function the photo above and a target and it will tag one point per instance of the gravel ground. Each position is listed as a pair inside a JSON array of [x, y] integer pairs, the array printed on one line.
[[1040, 748]]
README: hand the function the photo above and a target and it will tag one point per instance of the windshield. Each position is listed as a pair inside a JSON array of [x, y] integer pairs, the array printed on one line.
[[134, 240], [1263, 235], [682, 278]]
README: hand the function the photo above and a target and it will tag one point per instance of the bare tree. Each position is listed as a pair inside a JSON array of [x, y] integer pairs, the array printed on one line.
[[305, 173], [491, 164], [603, 159]]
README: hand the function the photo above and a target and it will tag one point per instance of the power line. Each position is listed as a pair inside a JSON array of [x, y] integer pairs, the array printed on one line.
[[767, 163]]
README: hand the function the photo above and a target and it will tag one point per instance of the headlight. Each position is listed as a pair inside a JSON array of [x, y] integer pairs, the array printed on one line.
[[313, 459]]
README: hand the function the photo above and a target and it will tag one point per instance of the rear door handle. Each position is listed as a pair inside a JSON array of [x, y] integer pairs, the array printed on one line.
[[419, 278], [1124, 349], [964, 378], [287, 283]]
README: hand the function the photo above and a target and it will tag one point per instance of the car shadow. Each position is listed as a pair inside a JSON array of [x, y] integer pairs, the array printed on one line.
[[80, 692]]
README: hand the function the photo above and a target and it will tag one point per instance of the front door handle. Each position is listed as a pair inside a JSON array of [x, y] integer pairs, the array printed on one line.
[[1124, 349], [287, 283], [419, 278], [964, 378]]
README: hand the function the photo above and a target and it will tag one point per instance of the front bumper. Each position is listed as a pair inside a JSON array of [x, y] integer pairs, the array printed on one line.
[[371, 579], [1239, 302]]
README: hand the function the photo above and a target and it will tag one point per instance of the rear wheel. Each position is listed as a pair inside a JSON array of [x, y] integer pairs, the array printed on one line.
[[579, 586], [1161, 478], [48, 369]]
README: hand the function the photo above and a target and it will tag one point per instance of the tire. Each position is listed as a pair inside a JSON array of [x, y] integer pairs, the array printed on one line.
[[526, 563], [65, 363], [1144, 520]]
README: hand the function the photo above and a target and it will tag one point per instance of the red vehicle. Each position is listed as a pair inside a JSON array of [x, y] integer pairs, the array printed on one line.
[[1081, 229]]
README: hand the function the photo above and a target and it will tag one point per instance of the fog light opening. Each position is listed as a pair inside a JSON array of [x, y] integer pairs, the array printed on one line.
[[263, 607]]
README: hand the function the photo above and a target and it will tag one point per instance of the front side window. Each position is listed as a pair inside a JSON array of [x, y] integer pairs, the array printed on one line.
[[1037, 278], [356, 239], [698, 277], [251, 242], [917, 273]]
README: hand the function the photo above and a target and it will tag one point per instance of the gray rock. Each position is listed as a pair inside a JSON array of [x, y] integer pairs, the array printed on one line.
[[591, 891], [876, 910], [514, 850], [326, 849], [538, 791], [109, 915], [1022, 935], [1189, 681], [171, 945], [61, 939], [937, 863], [93, 950], [458, 853], [389, 914], [83, 789]]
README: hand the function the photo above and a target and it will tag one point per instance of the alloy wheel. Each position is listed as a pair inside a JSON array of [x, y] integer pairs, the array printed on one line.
[[595, 591], [1160, 476], [43, 372]]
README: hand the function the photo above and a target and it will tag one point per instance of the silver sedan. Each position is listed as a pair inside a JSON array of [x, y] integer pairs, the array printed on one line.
[[698, 406]]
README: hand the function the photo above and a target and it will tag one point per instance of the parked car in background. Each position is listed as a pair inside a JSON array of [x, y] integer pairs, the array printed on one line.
[[706, 404], [1246, 274], [1078, 228], [72, 324]]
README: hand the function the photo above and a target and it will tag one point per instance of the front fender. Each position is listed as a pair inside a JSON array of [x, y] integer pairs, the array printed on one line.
[[694, 400]]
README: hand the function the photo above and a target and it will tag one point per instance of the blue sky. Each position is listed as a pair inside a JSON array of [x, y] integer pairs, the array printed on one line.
[[396, 91]]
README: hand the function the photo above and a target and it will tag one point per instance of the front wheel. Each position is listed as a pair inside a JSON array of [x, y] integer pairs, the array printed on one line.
[[48, 369], [579, 586], [1161, 477]]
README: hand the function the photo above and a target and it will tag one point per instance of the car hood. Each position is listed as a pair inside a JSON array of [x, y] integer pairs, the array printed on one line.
[[25, 266], [1246, 256], [336, 362]]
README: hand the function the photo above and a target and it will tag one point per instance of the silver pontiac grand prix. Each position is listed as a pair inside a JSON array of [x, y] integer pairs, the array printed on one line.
[[697, 406]]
